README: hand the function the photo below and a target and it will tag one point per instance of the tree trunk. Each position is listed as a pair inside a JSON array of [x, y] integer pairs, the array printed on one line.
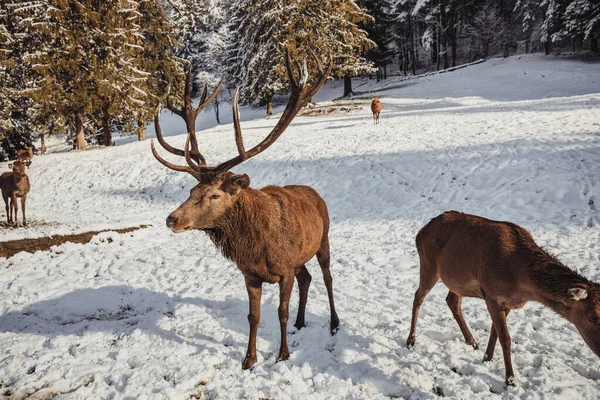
[[106, 137], [216, 105], [79, 133], [141, 131], [594, 43], [547, 48], [412, 45], [347, 86], [527, 45], [43, 143], [270, 107]]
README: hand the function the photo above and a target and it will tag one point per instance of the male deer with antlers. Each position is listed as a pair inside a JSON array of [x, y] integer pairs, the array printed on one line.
[[500, 263], [269, 233]]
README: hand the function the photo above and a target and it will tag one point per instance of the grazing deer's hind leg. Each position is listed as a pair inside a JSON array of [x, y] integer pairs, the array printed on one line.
[[489, 352], [286, 285], [304, 278], [427, 281], [454, 302], [254, 293], [323, 258], [498, 315]]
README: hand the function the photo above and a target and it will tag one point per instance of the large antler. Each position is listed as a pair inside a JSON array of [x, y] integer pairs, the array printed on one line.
[[301, 93], [189, 115]]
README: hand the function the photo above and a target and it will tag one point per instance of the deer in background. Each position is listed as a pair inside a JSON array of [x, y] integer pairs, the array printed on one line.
[[500, 263], [14, 184], [25, 155], [376, 107], [270, 233]]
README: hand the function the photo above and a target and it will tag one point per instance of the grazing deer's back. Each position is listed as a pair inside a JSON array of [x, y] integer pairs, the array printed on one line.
[[470, 251]]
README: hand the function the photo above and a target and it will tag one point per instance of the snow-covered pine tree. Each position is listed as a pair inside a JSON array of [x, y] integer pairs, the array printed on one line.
[[86, 60], [263, 29], [582, 19], [381, 32], [16, 124], [553, 25], [201, 29], [529, 13]]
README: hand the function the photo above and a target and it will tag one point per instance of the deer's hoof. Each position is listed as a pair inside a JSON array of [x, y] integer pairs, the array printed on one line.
[[474, 344], [410, 342], [510, 382], [283, 355], [248, 362], [487, 357]]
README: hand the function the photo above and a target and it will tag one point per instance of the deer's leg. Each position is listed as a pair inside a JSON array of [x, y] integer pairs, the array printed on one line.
[[286, 285], [23, 208], [323, 258], [254, 289], [7, 210], [454, 301], [15, 209], [489, 352], [498, 314], [427, 281], [304, 278]]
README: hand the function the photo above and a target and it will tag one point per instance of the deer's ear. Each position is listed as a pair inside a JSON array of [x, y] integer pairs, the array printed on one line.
[[578, 293], [235, 183]]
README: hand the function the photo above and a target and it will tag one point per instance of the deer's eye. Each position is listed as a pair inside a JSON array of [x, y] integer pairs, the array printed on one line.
[[594, 319], [214, 197]]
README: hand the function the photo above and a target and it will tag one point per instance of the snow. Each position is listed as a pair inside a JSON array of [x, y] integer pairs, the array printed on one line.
[[152, 314]]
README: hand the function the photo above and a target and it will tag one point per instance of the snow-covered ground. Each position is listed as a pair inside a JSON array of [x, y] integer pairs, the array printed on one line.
[[157, 315]]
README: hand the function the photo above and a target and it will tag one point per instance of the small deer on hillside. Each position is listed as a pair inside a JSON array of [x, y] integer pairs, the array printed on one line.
[[270, 233], [500, 263], [14, 184], [25, 155], [376, 107]]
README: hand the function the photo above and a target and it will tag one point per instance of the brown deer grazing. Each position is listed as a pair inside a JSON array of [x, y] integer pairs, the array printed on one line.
[[376, 107], [269, 233], [25, 155], [500, 263], [15, 184]]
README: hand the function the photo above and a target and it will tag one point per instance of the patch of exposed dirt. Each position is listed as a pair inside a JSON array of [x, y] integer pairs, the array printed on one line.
[[12, 247]]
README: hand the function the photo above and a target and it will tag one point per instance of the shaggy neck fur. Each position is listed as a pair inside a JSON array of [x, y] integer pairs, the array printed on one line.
[[553, 280], [238, 232]]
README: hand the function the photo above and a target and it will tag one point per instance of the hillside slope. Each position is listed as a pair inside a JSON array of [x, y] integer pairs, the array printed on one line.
[[157, 315]]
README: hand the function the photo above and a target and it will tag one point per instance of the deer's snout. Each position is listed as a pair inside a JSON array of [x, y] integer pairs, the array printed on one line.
[[171, 221]]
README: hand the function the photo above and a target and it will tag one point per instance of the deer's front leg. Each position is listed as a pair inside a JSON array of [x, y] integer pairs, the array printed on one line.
[[286, 284], [254, 293], [23, 199], [498, 314]]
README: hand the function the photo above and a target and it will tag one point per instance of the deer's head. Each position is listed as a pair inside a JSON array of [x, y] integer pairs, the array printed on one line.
[[584, 313], [18, 169], [218, 189]]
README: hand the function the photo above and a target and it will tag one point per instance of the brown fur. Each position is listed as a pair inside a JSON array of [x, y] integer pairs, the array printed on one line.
[[15, 184], [270, 234], [500, 263], [376, 107]]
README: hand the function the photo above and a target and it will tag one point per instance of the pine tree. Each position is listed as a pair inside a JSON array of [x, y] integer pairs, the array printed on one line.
[[263, 29], [202, 28], [582, 18], [381, 32], [16, 124]]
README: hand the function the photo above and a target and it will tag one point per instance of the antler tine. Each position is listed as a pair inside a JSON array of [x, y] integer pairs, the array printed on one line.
[[206, 101], [160, 138], [239, 141], [299, 96], [290, 71], [180, 168], [204, 92]]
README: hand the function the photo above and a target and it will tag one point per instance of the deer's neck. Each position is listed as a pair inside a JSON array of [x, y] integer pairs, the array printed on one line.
[[239, 234], [552, 281]]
